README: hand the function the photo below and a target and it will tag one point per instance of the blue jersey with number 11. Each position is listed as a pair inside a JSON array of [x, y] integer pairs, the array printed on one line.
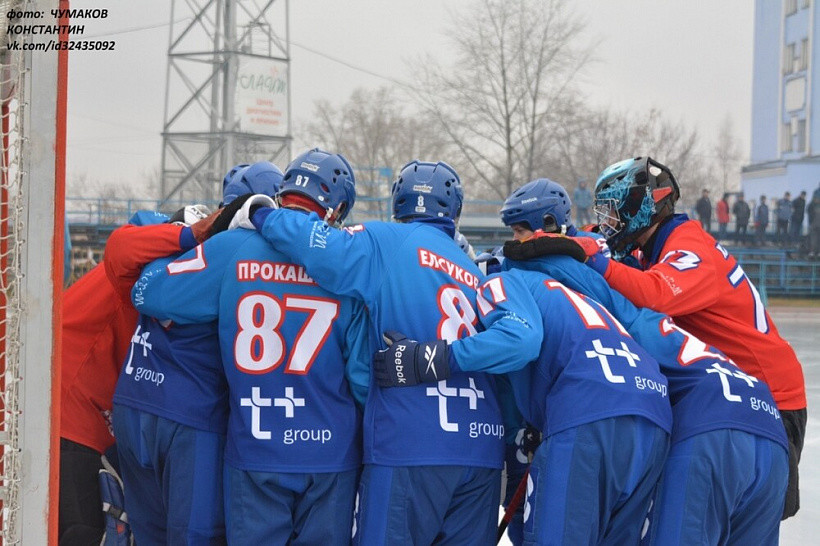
[[285, 344], [707, 390], [588, 367], [414, 279]]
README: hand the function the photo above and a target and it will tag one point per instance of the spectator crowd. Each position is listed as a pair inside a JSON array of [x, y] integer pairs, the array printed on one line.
[[785, 215]]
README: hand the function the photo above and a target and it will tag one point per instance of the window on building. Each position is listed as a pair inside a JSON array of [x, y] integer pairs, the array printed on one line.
[[794, 93], [801, 136], [786, 138], [788, 59], [805, 4], [804, 55], [791, 6]]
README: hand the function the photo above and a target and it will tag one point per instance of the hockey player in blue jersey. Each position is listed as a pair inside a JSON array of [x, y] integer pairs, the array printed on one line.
[[171, 399], [540, 204], [293, 450], [596, 395], [725, 478], [433, 452]]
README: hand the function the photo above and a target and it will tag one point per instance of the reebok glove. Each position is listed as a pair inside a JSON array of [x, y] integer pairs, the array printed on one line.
[[406, 362]]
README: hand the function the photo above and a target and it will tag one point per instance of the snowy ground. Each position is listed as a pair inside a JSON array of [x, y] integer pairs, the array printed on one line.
[[801, 327]]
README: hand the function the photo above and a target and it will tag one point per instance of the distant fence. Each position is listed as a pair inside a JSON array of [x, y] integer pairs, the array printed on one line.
[[101, 211], [775, 270], [780, 272]]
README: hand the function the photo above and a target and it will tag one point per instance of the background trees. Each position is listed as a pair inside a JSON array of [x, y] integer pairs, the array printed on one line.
[[509, 107]]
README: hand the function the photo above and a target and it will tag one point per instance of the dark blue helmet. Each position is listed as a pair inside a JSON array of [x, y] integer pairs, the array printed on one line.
[[540, 204], [229, 175], [325, 178], [427, 190], [263, 177], [630, 197]]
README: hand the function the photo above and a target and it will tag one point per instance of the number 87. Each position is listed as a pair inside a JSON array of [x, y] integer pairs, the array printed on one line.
[[259, 346]]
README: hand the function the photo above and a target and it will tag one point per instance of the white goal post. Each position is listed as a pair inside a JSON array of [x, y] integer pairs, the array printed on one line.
[[32, 204]]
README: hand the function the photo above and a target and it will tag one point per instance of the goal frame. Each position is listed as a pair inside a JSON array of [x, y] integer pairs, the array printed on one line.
[[31, 428]]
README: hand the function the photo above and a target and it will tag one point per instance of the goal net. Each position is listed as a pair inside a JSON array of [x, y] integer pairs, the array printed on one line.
[[30, 200]]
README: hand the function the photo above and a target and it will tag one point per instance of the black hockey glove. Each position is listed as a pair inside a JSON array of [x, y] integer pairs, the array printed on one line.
[[545, 245], [238, 212], [227, 213], [406, 362], [527, 441]]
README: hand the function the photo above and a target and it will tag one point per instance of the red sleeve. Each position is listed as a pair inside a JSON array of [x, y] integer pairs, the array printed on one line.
[[130, 248], [683, 281]]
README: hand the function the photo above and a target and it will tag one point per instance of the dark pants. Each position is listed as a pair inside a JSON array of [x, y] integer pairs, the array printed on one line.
[[740, 230], [81, 519], [760, 234], [814, 238], [782, 229], [795, 423], [721, 487]]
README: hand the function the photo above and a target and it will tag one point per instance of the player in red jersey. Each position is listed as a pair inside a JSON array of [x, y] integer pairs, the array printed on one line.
[[685, 273], [98, 322]]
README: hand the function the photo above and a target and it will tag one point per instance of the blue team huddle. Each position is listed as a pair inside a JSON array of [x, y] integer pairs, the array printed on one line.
[[295, 381]]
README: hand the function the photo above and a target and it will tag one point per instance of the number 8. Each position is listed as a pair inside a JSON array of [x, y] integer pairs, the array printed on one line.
[[457, 315]]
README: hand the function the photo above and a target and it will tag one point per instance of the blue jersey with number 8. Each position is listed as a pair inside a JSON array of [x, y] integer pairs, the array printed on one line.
[[414, 279]]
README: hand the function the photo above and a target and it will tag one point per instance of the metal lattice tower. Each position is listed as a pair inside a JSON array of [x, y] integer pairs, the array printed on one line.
[[227, 91]]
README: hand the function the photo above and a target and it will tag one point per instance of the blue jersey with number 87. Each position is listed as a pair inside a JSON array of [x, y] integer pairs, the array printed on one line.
[[286, 344]]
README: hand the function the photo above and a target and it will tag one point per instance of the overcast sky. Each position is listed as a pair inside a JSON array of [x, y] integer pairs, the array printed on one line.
[[693, 60]]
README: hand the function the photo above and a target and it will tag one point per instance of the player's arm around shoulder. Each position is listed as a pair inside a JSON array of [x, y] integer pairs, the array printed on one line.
[[683, 280], [584, 280], [511, 318], [129, 248], [186, 289], [347, 261]]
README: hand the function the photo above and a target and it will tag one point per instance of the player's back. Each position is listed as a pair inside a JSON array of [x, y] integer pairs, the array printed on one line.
[[707, 392], [427, 290], [171, 370], [589, 368], [285, 343], [96, 327], [737, 322]]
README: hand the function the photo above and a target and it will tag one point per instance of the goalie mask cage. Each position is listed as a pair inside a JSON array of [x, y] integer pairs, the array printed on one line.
[[32, 204]]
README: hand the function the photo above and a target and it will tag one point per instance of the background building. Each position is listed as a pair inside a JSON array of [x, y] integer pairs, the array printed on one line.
[[785, 143]]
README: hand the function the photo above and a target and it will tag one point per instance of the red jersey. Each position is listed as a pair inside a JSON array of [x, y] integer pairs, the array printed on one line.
[[696, 281], [98, 322]]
